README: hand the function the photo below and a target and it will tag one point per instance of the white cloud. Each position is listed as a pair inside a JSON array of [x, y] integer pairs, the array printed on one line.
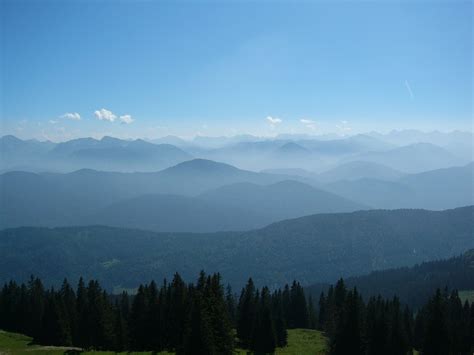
[[105, 115], [53, 121], [273, 121], [71, 116], [344, 127], [126, 119], [309, 123]]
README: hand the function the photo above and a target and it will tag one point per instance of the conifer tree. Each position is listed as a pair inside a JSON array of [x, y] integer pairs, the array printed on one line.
[[436, 335], [246, 314], [322, 319], [82, 337], [312, 318], [347, 339], [280, 324], [230, 305], [264, 337]]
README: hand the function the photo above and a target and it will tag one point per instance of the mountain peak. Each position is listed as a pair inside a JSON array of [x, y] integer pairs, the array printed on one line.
[[10, 138], [292, 148], [202, 165]]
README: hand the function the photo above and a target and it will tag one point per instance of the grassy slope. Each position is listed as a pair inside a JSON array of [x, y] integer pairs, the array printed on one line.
[[17, 344], [466, 295], [300, 342], [304, 341]]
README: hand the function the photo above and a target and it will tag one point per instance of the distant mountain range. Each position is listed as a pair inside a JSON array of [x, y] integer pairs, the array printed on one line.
[[108, 153], [398, 151], [457, 142], [413, 158], [317, 248]]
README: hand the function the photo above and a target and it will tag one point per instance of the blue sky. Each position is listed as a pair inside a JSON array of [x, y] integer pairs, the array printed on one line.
[[225, 68]]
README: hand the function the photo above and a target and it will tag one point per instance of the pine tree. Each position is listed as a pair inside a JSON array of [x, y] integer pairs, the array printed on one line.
[[246, 314], [298, 307], [55, 326], [138, 323], [280, 324], [312, 318], [264, 337], [198, 337], [230, 305], [436, 335], [322, 319], [218, 312], [397, 339], [347, 339], [68, 297], [35, 307], [176, 314], [82, 309]]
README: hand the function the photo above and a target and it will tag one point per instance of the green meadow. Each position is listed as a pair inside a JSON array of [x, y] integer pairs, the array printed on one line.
[[300, 342]]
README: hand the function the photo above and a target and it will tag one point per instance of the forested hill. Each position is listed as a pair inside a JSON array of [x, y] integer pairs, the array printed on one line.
[[318, 248], [413, 285]]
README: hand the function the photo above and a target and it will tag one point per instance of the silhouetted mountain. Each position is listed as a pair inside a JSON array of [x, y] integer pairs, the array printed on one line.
[[374, 193], [358, 170], [315, 248], [176, 141], [74, 198], [173, 213], [291, 172], [216, 142], [459, 143], [413, 158], [282, 200], [292, 148], [436, 189], [310, 154], [346, 146], [12, 145], [442, 188], [115, 154], [22, 154], [196, 176], [108, 153]]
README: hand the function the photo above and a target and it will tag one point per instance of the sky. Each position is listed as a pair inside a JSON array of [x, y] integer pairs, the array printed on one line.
[[154, 68]]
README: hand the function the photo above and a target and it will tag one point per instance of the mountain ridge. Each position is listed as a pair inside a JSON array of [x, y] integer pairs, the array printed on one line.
[[316, 248]]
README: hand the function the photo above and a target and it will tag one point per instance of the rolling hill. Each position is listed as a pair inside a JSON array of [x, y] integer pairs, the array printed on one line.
[[282, 200], [164, 201], [174, 213], [413, 285]]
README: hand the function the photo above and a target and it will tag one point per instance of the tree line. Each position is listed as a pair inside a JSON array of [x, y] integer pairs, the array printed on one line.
[[443, 326], [205, 318], [196, 318], [413, 285]]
